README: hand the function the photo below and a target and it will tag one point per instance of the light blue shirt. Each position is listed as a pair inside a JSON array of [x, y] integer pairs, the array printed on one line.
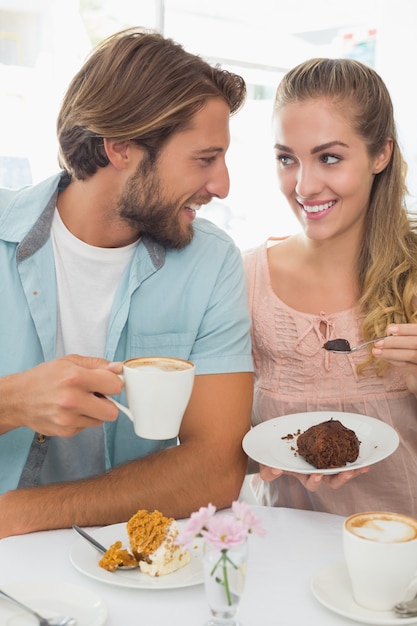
[[189, 303]]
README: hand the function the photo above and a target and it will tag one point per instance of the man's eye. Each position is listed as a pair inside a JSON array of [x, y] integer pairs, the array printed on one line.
[[208, 160]]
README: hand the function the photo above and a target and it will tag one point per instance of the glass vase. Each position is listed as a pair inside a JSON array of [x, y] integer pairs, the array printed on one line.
[[224, 580]]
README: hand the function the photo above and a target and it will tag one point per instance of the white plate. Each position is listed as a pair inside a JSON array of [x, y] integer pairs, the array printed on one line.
[[51, 599], [85, 558], [331, 587], [265, 443]]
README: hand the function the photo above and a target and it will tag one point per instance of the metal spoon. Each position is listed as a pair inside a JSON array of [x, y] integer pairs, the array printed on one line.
[[342, 346], [98, 546], [406, 609], [60, 620]]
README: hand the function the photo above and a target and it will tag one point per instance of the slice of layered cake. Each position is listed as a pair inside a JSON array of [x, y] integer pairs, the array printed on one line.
[[152, 546], [152, 539]]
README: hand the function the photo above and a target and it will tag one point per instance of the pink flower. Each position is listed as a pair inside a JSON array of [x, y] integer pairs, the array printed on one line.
[[244, 513], [224, 531], [195, 525]]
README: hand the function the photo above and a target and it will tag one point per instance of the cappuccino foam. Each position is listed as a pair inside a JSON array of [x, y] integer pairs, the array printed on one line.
[[156, 364], [383, 527]]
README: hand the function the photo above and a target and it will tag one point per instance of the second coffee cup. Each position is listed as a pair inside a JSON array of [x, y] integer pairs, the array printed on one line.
[[381, 556], [157, 390]]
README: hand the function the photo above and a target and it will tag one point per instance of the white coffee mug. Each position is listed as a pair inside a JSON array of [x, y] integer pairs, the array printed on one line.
[[158, 390], [380, 551]]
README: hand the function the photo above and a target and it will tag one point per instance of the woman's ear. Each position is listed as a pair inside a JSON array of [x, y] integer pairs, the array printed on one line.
[[384, 157]]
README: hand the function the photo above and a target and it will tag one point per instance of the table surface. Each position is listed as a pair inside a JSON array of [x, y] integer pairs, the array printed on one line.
[[280, 568]]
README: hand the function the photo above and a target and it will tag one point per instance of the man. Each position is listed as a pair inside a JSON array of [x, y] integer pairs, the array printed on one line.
[[106, 261]]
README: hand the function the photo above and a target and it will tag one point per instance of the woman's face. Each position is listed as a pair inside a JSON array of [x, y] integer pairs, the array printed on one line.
[[324, 169]]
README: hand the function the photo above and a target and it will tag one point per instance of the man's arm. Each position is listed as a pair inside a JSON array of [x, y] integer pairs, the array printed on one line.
[[208, 466]]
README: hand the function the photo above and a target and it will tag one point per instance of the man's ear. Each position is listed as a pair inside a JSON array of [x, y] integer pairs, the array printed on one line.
[[118, 152], [384, 157]]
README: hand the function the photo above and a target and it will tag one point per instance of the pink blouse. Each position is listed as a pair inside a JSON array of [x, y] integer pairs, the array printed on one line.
[[293, 374]]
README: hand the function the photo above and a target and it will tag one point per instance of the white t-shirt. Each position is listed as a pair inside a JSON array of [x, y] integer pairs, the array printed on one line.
[[87, 278]]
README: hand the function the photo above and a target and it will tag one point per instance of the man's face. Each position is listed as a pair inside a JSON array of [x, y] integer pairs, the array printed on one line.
[[162, 198]]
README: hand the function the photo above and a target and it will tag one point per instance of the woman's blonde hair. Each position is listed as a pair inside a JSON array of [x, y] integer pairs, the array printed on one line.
[[140, 86], [387, 263]]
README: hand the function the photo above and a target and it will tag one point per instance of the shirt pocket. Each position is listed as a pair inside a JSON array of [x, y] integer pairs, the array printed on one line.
[[178, 345]]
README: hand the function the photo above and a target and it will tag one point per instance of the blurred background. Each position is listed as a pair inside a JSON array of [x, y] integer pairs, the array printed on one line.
[[44, 42]]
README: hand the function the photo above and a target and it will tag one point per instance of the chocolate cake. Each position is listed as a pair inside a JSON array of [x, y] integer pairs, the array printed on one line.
[[328, 445]]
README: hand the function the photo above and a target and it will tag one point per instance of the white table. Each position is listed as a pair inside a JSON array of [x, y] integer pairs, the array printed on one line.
[[277, 593]]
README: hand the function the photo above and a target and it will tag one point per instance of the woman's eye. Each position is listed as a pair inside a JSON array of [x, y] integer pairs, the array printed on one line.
[[208, 160], [284, 159], [329, 159]]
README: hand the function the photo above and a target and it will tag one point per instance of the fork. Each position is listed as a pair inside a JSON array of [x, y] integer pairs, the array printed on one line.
[[406, 609], [59, 620]]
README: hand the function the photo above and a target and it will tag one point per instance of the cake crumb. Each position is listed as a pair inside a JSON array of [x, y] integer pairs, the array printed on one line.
[[116, 556]]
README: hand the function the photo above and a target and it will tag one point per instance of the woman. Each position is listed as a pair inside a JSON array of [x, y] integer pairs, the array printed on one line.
[[350, 272]]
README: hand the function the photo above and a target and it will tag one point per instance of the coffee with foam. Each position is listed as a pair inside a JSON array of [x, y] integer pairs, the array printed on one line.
[[380, 551], [383, 527], [158, 389], [156, 363]]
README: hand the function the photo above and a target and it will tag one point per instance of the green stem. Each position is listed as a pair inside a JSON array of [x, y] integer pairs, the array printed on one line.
[[224, 559], [226, 580]]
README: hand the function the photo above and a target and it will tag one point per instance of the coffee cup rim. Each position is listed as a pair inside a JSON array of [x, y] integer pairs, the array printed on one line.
[[349, 528], [152, 359], [413, 520]]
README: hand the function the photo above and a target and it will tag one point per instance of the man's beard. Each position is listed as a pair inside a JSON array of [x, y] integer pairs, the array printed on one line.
[[142, 204]]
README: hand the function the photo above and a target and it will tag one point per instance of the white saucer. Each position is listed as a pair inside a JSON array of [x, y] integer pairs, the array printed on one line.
[[51, 599], [331, 587]]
